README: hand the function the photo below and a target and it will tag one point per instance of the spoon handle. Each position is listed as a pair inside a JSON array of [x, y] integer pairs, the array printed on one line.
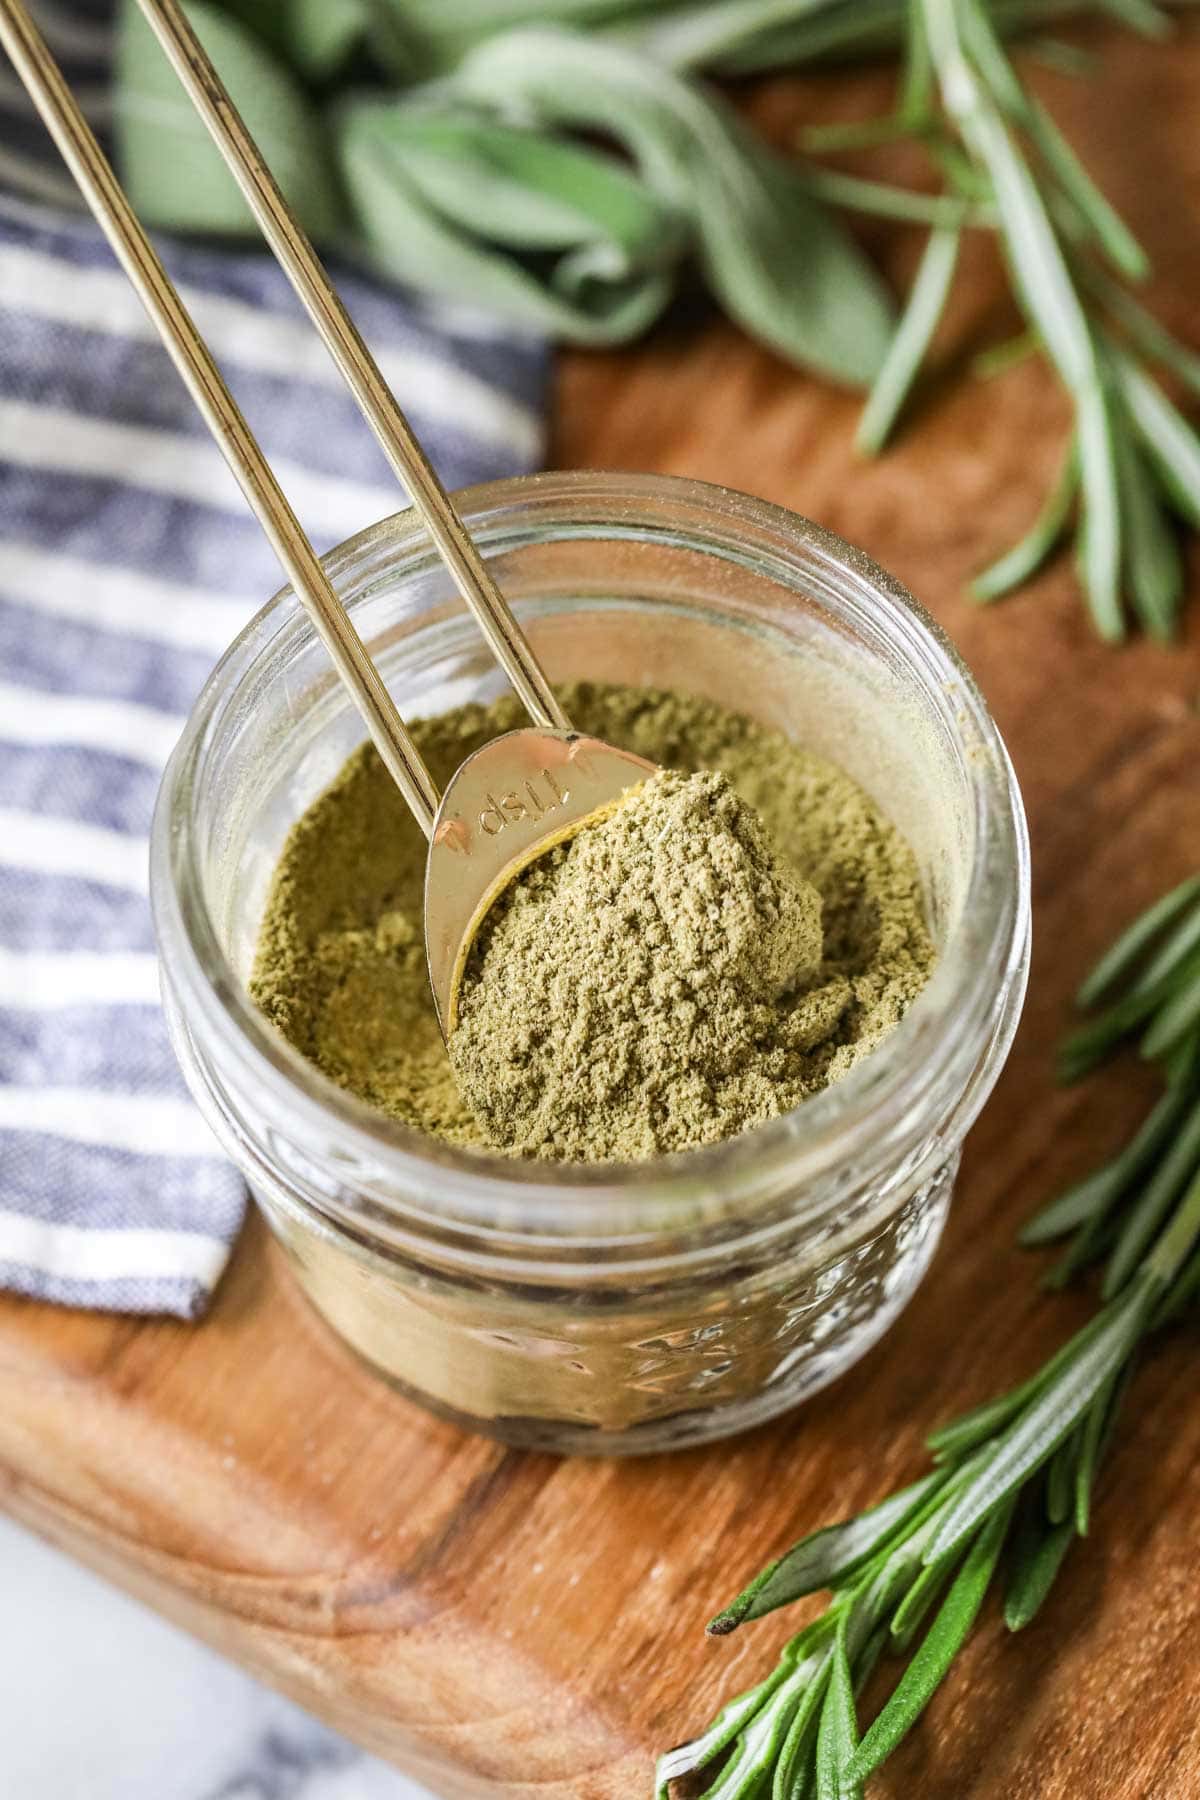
[[44, 81], [291, 247]]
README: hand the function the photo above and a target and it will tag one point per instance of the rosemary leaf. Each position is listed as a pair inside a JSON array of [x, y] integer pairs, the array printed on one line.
[[1176, 951], [1154, 1203], [1170, 442], [1097, 1429], [911, 1612], [1145, 332], [976, 1427], [999, 358], [1153, 565], [908, 347], [937, 1650], [1173, 1249], [1037, 1433], [1090, 1044], [1081, 1204], [983, 46], [1098, 214], [854, 134], [1060, 1478], [1037, 1557], [758, 1743], [699, 1752], [1117, 962], [837, 1736], [1139, 15], [825, 1558], [886, 201], [1181, 1293], [1099, 535], [795, 1755], [1036, 1449], [1175, 1021], [1094, 1196], [1048, 294], [1063, 58], [1026, 557], [915, 100]]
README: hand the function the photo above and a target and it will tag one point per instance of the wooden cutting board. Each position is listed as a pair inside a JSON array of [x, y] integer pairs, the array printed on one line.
[[503, 1624]]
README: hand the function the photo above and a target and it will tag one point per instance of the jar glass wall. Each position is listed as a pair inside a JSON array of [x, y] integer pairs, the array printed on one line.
[[614, 1308]]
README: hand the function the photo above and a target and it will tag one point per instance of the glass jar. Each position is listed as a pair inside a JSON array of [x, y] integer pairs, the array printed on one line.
[[613, 1308]]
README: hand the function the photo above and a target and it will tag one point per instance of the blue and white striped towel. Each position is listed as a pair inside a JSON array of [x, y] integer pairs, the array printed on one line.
[[127, 562]]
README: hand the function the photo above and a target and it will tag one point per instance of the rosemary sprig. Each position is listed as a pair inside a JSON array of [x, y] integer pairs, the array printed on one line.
[[1133, 460], [1012, 1481]]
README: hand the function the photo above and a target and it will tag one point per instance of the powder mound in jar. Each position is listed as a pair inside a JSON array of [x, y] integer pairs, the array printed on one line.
[[629, 993], [340, 961]]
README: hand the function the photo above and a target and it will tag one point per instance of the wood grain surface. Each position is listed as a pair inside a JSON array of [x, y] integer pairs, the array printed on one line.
[[503, 1624]]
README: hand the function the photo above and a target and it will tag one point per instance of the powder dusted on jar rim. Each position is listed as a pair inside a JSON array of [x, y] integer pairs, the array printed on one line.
[[340, 965]]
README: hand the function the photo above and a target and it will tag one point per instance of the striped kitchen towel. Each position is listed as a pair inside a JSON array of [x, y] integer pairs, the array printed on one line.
[[127, 562]]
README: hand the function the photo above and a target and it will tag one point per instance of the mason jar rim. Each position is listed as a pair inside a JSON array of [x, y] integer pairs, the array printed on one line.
[[940, 1040]]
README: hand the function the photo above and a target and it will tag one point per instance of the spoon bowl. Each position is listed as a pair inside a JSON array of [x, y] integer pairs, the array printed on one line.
[[511, 801]]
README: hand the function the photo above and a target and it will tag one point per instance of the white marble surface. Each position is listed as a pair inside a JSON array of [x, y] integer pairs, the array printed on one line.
[[101, 1700]]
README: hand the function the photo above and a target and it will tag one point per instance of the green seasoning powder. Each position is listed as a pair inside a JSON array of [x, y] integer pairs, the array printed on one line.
[[721, 971]]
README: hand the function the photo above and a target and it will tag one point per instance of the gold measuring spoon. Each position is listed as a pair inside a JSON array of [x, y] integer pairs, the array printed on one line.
[[520, 794]]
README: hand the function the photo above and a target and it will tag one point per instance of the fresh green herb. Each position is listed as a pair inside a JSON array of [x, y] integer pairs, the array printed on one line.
[[1133, 460], [1012, 1481], [562, 162]]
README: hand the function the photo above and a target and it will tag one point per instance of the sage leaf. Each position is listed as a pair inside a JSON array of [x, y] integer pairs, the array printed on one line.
[[777, 261], [1034, 1436], [613, 242], [442, 32], [926, 303], [320, 38], [173, 172], [825, 1557], [937, 1649]]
